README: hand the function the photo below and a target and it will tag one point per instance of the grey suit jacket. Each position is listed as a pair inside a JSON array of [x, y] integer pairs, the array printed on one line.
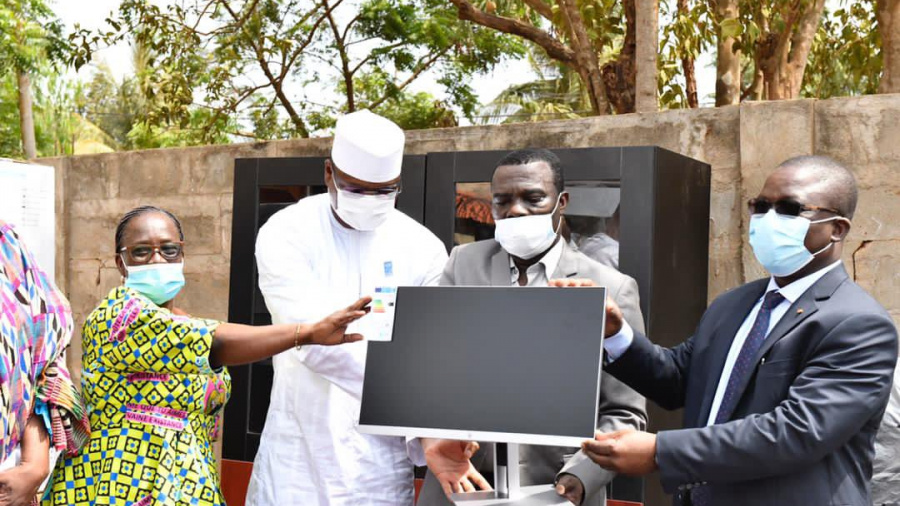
[[804, 427], [485, 263]]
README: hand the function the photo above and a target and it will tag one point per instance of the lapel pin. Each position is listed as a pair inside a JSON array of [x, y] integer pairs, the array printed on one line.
[[800, 311]]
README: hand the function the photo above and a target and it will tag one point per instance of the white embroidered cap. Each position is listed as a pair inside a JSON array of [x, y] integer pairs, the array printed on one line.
[[368, 147]]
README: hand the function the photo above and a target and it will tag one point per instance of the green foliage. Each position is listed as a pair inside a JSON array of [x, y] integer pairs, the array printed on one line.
[[413, 111], [558, 93], [195, 132], [29, 36], [10, 135], [683, 35], [287, 66], [112, 107], [56, 126], [843, 61]]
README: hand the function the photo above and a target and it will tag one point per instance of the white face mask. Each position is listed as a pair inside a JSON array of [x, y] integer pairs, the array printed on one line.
[[363, 212], [158, 282], [526, 237], [778, 241]]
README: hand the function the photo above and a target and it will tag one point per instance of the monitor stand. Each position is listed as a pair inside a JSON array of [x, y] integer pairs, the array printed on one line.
[[508, 490]]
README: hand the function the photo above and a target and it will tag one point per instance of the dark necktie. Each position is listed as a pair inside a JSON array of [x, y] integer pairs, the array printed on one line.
[[743, 366]]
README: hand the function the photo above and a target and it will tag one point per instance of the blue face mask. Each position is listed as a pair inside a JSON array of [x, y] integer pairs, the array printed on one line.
[[777, 241], [158, 282]]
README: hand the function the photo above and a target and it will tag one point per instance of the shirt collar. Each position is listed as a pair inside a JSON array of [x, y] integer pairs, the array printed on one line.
[[794, 290], [550, 260]]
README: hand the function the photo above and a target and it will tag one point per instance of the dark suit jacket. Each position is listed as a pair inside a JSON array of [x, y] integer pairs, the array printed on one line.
[[485, 263], [803, 429]]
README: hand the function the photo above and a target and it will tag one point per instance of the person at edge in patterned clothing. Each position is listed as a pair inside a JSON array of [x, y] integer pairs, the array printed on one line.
[[154, 378], [41, 414]]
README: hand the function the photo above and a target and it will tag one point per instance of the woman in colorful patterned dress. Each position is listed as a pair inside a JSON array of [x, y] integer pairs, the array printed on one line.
[[153, 377], [40, 412]]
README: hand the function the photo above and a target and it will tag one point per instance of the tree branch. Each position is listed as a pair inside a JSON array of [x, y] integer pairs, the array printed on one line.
[[554, 48], [371, 55], [422, 67], [541, 8], [586, 57], [345, 61], [308, 41], [349, 25], [276, 83]]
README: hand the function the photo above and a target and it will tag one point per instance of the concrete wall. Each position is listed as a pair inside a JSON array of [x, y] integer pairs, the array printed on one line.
[[742, 143]]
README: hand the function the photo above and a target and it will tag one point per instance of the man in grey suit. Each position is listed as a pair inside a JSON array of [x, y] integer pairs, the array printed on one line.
[[785, 380], [528, 203]]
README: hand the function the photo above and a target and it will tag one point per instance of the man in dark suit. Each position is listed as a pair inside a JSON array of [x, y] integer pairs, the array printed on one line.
[[528, 202], [785, 380]]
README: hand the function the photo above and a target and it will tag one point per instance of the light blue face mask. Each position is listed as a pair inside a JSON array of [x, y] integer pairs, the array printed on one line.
[[158, 282], [777, 241]]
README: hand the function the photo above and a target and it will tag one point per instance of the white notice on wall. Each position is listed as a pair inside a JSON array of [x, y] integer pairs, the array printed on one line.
[[27, 202]]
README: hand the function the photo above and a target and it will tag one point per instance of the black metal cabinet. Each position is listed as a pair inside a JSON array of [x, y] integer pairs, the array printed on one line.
[[663, 224]]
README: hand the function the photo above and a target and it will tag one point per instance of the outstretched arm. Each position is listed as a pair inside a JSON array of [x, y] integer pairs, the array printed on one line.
[[236, 344]]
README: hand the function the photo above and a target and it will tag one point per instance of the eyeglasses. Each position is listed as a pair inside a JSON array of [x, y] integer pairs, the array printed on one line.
[[142, 253], [785, 207], [385, 191]]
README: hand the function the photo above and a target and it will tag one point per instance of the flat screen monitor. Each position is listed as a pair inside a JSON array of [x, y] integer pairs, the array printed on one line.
[[501, 364]]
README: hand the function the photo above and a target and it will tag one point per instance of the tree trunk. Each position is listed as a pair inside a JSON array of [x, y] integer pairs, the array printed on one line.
[[619, 76], [728, 57], [785, 54], [889, 27], [687, 65], [26, 116], [585, 57], [647, 47]]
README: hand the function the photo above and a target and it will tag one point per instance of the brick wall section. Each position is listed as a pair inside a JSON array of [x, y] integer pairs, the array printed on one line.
[[742, 143]]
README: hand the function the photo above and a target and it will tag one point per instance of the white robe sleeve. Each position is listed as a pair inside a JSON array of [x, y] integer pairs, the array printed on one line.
[[290, 290], [435, 261]]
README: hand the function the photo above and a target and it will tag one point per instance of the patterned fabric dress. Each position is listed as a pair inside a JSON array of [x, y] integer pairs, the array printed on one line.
[[35, 328], [153, 401]]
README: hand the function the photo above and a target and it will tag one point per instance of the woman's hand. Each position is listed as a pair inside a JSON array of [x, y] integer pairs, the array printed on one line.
[[19, 485], [332, 330]]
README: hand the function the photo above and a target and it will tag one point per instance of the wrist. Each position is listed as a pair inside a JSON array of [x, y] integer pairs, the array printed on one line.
[[427, 443], [303, 335]]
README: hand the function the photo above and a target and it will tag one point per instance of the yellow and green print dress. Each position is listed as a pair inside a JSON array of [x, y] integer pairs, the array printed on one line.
[[153, 401]]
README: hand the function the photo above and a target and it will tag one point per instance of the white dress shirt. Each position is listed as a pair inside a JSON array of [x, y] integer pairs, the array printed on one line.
[[618, 344], [310, 452], [539, 272]]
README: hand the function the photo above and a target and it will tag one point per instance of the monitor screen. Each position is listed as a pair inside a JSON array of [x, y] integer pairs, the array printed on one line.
[[503, 364]]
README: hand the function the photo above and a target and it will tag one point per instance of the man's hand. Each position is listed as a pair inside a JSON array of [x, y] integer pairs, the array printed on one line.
[[626, 451], [570, 487], [19, 485], [449, 462], [614, 317]]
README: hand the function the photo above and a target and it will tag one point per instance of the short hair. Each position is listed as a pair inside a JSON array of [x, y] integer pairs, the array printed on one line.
[[531, 155], [834, 176], [138, 211]]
